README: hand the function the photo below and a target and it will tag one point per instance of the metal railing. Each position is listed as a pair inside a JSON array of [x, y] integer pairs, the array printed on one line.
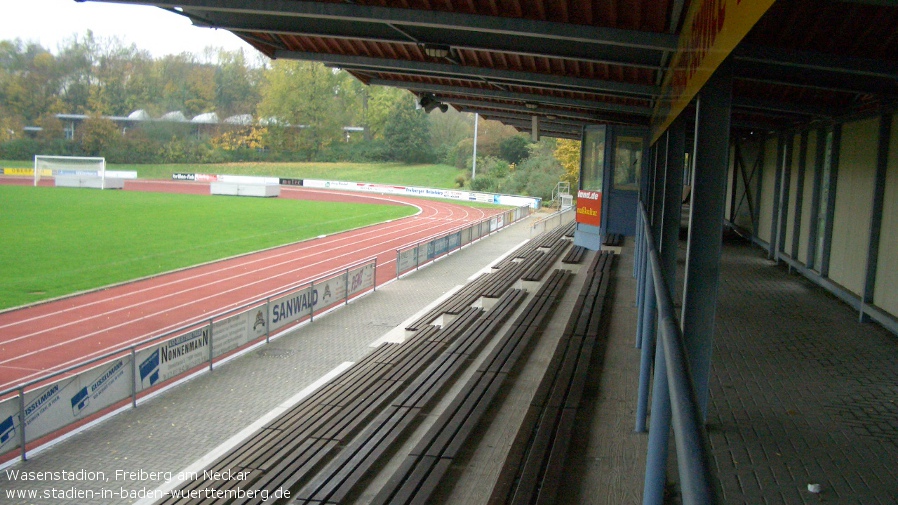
[[430, 249], [41, 408], [674, 397], [552, 221]]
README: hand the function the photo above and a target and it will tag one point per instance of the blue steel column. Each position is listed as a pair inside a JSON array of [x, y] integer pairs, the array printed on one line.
[[834, 161], [641, 258], [799, 195], [815, 199], [712, 136], [659, 435], [879, 189], [773, 247], [659, 430], [785, 194], [657, 208], [647, 318], [673, 204]]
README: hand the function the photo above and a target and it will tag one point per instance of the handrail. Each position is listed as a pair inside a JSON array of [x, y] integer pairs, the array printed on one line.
[[555, 215], [697, 478], [19, 390], [516, 214], [181, 329]]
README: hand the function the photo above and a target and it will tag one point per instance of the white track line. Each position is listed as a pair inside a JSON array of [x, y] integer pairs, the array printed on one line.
[[292, 257], [262, 257], [450, 207]]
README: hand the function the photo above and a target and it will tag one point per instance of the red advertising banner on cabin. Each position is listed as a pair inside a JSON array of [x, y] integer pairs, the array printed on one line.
[[589, 207]]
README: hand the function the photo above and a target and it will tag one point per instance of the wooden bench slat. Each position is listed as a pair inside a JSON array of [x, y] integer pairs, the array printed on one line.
[[532, 471]]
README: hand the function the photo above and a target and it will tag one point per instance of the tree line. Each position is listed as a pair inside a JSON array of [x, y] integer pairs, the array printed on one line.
[[299, 112]]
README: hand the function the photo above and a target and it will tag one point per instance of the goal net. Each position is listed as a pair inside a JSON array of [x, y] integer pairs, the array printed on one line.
[[51, 166]]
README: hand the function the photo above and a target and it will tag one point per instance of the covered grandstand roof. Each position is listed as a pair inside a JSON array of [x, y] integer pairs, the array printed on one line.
[[576, 62]]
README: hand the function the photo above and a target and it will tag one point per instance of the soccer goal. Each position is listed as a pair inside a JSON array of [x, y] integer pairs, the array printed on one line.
[[78, 166]]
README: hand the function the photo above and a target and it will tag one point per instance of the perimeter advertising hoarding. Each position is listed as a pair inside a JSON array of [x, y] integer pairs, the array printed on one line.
[[466, 235], [300, 304], [61, 403], [169, 359], [407, 260], [589, 207], [9, 424], [293, 307], [449, 194], [238, 330], [21, 171], [361, 278]]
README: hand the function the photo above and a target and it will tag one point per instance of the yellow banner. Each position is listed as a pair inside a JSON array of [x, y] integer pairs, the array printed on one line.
[[711, 30], [18, 171]]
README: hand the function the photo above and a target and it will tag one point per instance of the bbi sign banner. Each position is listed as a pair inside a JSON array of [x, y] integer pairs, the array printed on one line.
[[589, 207]]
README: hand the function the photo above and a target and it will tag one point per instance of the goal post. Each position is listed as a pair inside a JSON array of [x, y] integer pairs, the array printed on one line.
[[52, 166]]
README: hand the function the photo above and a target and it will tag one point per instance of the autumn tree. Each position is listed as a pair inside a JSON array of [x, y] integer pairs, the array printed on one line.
[[381, 102], [97, 134], [236, 84], [303, 95], [407, 133], [567, 152]]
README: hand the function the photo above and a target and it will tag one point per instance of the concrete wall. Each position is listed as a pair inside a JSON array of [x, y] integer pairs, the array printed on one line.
[[886, 294], [854, 204]]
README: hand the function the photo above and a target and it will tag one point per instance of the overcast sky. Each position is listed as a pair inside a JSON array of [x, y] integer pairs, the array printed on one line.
[[160, 32]]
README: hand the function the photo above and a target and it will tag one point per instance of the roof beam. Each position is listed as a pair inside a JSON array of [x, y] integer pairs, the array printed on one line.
[[542, 110], [829, 81], [544, 30], [419, 68], [818, 62], [544, 129], [509, 95], [804, 109], [543, 120], [469, 31]]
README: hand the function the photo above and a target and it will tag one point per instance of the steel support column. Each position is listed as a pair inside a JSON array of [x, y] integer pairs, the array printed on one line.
[[659, 434], [773, 249], [819, 156], [879, 190], [799, 195], [657, 209], [785, 194], [832, 190], [712, 136], [673, 202]]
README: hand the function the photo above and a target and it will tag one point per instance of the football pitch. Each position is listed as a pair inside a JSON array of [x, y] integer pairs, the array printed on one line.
[[57, 241]]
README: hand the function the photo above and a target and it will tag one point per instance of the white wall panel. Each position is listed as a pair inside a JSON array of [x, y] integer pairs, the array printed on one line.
[[886, 294], [765, 210], [807, 198], [854, 204]]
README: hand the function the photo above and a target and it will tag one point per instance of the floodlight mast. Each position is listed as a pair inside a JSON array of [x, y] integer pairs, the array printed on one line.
[[474, 161]]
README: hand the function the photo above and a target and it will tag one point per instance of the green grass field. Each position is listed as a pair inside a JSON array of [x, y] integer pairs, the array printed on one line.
[[57, 241], [431, 176]]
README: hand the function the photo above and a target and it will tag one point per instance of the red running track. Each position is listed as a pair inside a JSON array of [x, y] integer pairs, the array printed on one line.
[[51, 336]]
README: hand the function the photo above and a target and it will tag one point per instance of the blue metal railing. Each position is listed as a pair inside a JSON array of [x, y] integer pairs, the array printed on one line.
[[674, 399]]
